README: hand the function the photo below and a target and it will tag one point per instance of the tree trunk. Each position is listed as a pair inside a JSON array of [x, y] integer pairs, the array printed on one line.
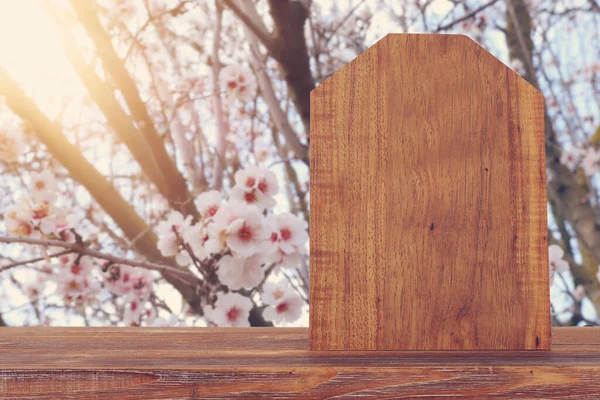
[[569, 198]]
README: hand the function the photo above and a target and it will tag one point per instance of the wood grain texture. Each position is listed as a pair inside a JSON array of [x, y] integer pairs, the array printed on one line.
[[428, 225], [276, 363]]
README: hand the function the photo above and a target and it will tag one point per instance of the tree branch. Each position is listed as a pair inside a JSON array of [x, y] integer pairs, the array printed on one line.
[[219, 161], [103, 96], [255, 25], [288, 47], [279, 118], [85, 251], [124, 215], [32, 260], [465, 17], [569, 198], [291, 51], [176, 187]]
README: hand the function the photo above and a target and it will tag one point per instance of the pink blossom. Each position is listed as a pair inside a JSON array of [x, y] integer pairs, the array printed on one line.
[[208, 203], [17, 226], [74, 279], [557, 264], [572, 158], [230, 309], [33, 218], [133, 311], [241, 273], [285, 305], [43, 186], [239, 228], [255, 186], [169, 235], [289, 237], [591, 162], [247, 235], [125, 280], [273, 292], [196, 237], [238, 81]]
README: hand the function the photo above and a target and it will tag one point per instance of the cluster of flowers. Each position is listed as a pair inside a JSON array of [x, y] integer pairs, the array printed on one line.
[[282, 303], [588, 159], [249, 240], [77, 278], [79, 281], [37, 215], [135, 286]]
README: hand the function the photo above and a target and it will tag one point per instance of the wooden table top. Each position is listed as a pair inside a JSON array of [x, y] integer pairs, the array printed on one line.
[[147, 363]]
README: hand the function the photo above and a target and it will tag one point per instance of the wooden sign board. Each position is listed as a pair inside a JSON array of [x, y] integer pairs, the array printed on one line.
[[428, 216]]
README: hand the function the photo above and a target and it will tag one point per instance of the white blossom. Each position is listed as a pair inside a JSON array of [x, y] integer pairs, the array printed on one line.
[[124, 280], [518, 66], [591, 162], [168, 245], [238, 81], [557, 264], [162, 322], [284, 304], [43, 186], [241, 273], [273, 292], [230, 309], [256, 186], [169, 235], [571, 158], [239, 228], [289, 236], [133, 311], [74, 279], [208, 203], [32, 218], [196, 237]]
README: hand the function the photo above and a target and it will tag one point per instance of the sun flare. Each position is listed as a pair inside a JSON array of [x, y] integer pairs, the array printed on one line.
[[32, 53]]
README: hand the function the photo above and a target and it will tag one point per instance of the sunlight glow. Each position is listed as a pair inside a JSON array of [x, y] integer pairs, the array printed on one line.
[[31, 52]]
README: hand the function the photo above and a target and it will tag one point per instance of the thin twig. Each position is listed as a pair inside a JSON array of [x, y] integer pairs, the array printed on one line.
[[34, 260], [466, 16], [219, 162], [257, 27], [84, 251]]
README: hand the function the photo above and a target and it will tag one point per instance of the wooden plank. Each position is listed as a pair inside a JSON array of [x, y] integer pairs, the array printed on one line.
[[427, 166], [124, 363]]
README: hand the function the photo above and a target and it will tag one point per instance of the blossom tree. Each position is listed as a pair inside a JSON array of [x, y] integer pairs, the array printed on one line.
[[177, 198], [154, 153]]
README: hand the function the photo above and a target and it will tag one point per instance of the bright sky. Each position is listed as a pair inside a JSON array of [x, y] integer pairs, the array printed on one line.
[[30, 49]]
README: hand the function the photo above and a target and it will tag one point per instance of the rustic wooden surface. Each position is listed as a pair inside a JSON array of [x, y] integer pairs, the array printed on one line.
[[276, 363], [427, 165]]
